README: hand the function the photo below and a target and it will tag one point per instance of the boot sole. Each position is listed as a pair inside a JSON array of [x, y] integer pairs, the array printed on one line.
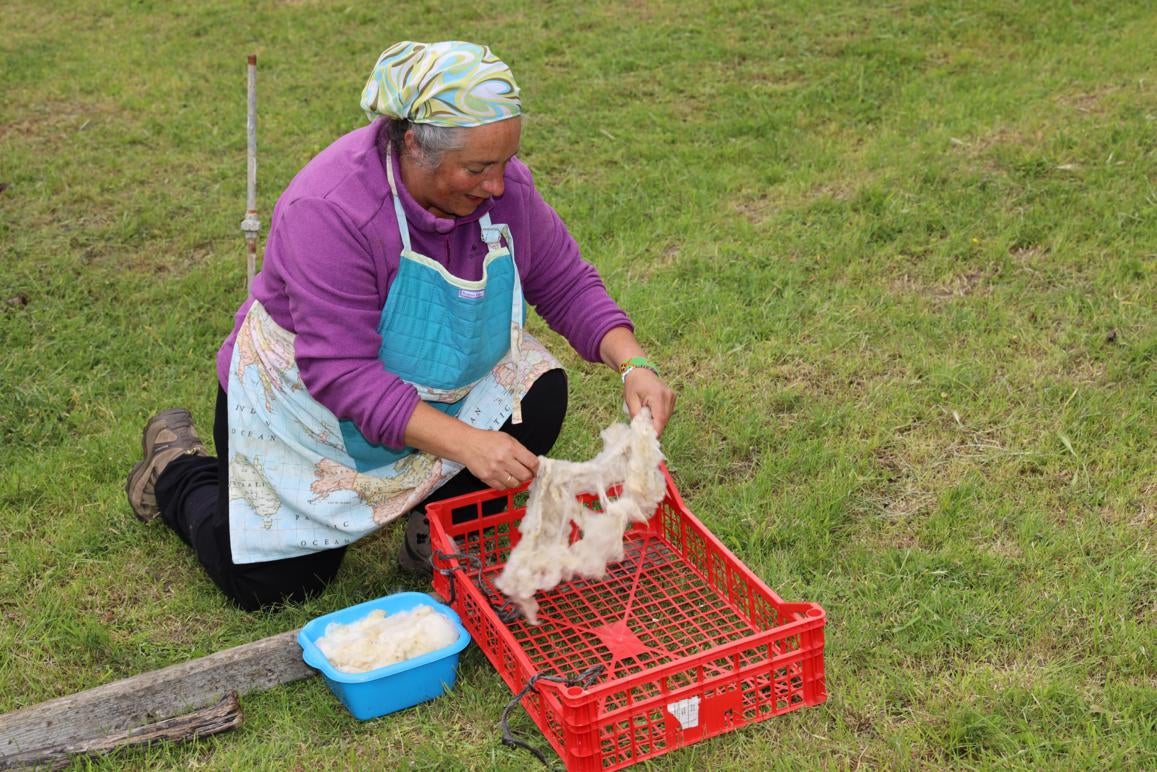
[[414, 564], [410, 559], [136, 489]]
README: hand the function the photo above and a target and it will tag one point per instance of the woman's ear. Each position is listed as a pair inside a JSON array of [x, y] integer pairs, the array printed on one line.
[[412, 148]]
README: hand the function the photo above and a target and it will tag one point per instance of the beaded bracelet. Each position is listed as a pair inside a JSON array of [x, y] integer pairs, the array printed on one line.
[[640, 362]]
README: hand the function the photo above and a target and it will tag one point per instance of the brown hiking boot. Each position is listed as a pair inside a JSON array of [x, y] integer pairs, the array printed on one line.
[[168, 435], [414, 555]]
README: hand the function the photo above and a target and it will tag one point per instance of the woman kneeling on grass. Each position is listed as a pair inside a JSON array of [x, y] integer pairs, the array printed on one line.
[[380, 362]]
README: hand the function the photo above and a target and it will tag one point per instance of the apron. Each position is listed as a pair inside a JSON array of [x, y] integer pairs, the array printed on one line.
[[300, 479]]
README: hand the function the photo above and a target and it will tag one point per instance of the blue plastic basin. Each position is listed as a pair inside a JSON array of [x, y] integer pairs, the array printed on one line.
[[393, 687]]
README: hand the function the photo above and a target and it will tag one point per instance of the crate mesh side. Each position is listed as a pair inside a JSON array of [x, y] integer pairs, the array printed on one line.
[[638, 733]]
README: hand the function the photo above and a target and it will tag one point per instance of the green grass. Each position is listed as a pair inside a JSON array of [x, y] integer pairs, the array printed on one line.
[[898, 261]]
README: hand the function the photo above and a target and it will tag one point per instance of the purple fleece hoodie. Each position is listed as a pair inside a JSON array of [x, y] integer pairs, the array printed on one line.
[[332, 254]]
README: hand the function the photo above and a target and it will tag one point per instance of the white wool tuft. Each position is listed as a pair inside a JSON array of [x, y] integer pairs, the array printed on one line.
[[378, 639], [543, 559]]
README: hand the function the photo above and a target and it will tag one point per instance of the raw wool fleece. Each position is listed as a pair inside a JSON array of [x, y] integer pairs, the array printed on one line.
[[378, 639], [543, 558]]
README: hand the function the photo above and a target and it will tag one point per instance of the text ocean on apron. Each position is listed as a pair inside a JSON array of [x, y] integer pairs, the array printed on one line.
[[300, 480]]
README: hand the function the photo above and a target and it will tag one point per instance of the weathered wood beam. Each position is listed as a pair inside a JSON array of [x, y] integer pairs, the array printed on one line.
[[226, 714], [145, 699]]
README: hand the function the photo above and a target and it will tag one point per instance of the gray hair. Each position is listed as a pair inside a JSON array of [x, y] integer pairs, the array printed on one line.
[[432, 141]]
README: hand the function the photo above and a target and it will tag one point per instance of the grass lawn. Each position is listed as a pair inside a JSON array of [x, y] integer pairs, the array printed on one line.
[[899, 261]]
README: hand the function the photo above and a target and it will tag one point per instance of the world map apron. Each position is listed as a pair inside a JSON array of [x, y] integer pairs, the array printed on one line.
[[300, 479]]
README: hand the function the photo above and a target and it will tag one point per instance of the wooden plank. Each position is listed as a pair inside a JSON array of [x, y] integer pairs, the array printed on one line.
[[151, 697], [226, 714]]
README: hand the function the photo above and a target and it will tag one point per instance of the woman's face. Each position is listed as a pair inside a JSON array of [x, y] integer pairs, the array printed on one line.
[[467, 176]]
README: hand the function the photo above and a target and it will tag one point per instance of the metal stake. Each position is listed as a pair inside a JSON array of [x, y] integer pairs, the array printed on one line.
[[251, 225]]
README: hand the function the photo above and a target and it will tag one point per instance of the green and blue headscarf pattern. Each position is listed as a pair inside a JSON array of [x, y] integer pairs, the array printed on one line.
[[442, 84]]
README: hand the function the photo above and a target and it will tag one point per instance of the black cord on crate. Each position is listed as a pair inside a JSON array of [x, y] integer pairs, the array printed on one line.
[[506, 611], [583, 679]]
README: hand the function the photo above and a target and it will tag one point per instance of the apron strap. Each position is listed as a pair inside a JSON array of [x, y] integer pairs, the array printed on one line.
[[399, 213], [493, 234]]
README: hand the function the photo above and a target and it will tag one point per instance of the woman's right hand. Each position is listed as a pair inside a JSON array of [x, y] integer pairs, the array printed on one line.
[[494, 457], [497, 459]]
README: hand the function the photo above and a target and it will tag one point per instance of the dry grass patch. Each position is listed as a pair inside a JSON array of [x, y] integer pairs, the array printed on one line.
[[1089, 102]]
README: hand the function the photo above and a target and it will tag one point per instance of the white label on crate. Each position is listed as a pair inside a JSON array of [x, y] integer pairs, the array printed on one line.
[[686, 712]]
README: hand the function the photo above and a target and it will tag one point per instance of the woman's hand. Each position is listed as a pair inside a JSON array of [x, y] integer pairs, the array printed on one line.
[[644, 388], [497, 459]]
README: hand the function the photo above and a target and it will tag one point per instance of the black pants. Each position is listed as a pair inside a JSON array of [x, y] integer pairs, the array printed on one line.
[[193, 494]]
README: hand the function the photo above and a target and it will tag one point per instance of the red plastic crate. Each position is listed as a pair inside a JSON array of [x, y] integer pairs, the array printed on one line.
[[690, 642]]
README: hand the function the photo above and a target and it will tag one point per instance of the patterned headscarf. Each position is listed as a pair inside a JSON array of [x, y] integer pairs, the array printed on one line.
[[443, 84]]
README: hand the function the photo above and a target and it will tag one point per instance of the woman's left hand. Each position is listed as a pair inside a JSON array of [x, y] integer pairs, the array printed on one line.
[[644, 388]]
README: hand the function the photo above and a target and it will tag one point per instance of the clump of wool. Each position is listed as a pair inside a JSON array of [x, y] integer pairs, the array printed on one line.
[[544, 556], [379, 639]]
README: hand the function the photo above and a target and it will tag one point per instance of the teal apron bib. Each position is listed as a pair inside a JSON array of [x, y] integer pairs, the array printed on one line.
[[300, 480]]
